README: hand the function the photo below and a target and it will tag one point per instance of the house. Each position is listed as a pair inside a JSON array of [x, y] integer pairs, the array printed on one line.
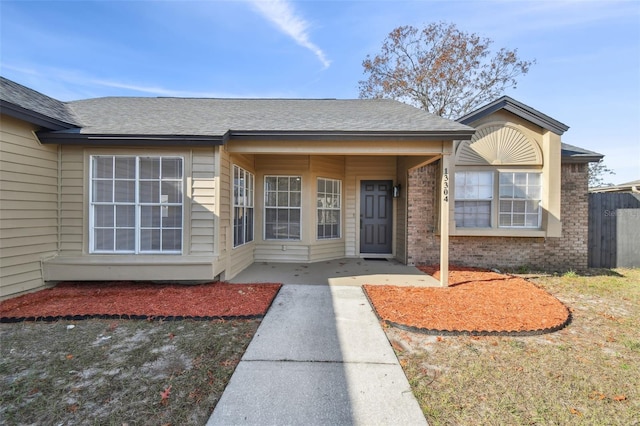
[[126, 188]]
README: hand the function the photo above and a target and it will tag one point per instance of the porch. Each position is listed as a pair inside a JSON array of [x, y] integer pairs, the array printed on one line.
[[347, 271]]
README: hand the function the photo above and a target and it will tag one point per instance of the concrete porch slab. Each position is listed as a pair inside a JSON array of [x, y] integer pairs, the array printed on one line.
[[348, 271]]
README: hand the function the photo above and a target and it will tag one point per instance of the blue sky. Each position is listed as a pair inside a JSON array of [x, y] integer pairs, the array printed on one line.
[[587, 73]]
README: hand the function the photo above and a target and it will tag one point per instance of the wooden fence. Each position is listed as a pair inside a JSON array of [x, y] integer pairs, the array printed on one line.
[[614, 230]]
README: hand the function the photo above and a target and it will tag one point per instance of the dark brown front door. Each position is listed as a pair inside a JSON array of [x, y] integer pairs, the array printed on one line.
[[375, 216]]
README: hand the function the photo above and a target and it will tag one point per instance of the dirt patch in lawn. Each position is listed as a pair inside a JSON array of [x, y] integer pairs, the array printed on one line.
[[141, 300], [476, 302]]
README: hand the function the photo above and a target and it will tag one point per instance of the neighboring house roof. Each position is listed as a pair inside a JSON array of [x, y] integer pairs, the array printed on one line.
[[633, 186], [574, 154], [33, 107], [518, 108]]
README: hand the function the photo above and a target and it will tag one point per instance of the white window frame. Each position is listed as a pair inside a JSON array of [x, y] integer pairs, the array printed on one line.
[[497, 198], [326, 202], [278, 207], [477, 197], [529, 194], [243, 200], [137, 204]]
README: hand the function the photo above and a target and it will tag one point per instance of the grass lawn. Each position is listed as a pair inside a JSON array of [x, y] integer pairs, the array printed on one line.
[[117, 372], [587, 373]]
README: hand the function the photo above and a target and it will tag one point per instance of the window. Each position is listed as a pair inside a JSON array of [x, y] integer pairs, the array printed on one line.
[[136, 204], [243, 184], [282, 202], [329, 201], [520, 195], [474, 194]]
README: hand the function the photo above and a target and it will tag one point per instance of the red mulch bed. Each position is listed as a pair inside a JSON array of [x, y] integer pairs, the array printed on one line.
[[73, 300], [476, 302]]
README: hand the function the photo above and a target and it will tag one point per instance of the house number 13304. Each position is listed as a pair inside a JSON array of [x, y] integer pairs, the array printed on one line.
[[445, 185]]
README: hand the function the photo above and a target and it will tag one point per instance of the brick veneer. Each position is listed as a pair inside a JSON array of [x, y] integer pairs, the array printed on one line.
[[567, 252]]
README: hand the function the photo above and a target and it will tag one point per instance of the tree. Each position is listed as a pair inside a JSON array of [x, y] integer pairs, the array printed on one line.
[[440, 69], [597, 173]]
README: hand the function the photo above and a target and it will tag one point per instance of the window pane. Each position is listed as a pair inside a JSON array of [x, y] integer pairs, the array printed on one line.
[[171, 192], [125, 191], [271, 215], [150, 192], [249, 225], [103, 167], [171, 168], [150, 216], [125, 167], [283, 184], [103, 239], [505, 219], [172, 239], [270, 231], [125, 216], [296, 184], [270, 199], [531, 220], [149, 168], [102, 191], [172, 217], [283, 199], [126, 239], [103, 216], [283, 216], [271, 183], [295, 200], [150, 239]]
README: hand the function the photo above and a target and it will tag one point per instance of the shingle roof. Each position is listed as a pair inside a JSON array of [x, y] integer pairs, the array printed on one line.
[[524, 111], [574, 154], [214, 117], [29, 105]]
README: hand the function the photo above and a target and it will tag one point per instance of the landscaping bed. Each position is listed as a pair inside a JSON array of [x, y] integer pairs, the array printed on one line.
[[477, 302], [141, 300]]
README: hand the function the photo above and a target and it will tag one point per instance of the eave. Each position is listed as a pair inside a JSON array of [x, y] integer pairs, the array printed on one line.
[[65, 138], [521, 110], [350, 135], [33, 117]]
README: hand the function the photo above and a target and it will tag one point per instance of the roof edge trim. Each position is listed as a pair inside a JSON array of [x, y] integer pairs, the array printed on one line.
[[129, 140], [518, 108], [33, 117], [341, 135]]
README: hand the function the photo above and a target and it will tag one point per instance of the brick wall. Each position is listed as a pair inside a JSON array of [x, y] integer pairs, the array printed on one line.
[[568, 252]]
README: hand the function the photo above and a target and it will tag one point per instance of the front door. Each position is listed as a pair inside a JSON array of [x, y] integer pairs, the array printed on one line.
[[375, 216]]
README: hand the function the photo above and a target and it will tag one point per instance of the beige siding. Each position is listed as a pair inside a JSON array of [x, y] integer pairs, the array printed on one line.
[[203, 201], [326, 250], [28, 207], [285, 252], [72, 211], [199, 260], [357, 169], [240, 257]]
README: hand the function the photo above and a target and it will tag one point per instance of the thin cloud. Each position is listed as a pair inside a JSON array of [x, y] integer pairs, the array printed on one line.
[[283, 15]]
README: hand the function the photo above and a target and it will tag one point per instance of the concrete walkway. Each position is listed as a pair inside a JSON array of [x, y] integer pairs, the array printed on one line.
[[319, 357]]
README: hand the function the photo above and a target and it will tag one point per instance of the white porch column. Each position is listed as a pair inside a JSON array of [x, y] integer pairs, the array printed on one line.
[[445, 196]]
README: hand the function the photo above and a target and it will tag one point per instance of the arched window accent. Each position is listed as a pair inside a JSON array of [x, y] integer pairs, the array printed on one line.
[[498, 145]]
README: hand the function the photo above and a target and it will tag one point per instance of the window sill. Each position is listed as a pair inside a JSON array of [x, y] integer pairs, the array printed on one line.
[[498, 232]]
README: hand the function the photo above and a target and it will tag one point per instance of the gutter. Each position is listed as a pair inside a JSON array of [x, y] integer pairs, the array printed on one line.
[[64, 138]]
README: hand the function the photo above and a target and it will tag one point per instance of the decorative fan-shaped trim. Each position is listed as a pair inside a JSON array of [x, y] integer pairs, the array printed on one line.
[[498, 145]]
